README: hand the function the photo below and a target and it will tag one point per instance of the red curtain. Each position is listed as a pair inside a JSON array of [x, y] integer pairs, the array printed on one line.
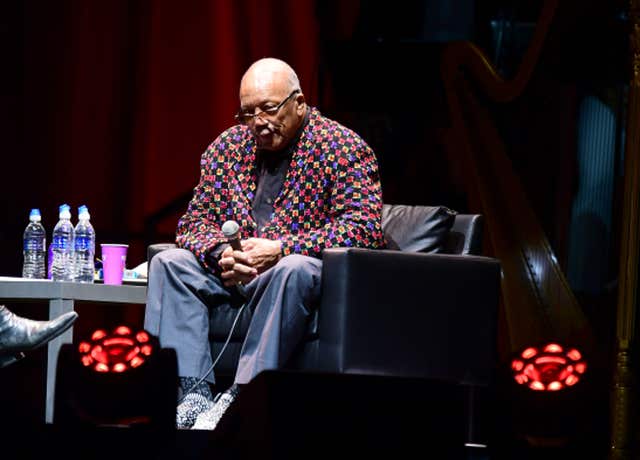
[[193, 56], [111, 103], [120, 98]]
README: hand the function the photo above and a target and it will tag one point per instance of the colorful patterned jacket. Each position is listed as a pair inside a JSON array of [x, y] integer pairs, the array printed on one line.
[[331, 194]]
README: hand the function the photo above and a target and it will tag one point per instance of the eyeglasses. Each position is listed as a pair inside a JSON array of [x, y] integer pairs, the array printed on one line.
[[247, 117]]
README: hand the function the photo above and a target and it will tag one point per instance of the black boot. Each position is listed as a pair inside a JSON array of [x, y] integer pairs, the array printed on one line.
[[18, 334]]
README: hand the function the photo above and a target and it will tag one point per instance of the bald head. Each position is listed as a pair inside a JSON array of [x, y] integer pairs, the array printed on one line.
[[270, 92], [269, 72]]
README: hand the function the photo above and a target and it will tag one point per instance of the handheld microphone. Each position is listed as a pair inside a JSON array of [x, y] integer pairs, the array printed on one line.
[[231, 230]]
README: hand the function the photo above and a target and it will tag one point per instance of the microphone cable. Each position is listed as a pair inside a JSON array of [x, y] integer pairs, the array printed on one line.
[[213, 365], [231, 230]]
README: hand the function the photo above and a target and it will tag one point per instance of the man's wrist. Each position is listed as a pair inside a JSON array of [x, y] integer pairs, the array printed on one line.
[[277, 252]]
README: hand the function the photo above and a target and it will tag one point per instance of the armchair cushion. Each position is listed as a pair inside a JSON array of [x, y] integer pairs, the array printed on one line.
[[417, 228]]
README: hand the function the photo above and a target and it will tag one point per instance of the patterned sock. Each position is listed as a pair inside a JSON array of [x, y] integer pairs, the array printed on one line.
[[188, 410], [209, 418], [194, 401], [186, 383]]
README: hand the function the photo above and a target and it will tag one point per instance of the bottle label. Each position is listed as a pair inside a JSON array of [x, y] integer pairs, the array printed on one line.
[[83, 243], [32, 244], [61, 242]]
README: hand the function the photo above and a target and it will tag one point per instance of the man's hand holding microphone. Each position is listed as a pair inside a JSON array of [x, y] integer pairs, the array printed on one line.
[[242, 261]]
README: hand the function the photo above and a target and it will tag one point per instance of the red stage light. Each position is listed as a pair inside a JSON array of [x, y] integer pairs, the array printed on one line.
[[116, 352], [548, 368], [118, 377]]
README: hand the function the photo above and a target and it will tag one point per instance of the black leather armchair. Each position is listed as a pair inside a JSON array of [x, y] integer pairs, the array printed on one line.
[[425, 308]]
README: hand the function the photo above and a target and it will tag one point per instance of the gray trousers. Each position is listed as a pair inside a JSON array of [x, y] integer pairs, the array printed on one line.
[[180, 293]]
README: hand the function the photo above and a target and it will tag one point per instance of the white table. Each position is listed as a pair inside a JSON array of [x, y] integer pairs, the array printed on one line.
[[61, 296]]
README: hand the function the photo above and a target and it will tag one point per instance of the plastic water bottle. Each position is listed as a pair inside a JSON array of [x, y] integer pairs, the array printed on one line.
[[84, 247], [33, 249], [62, 246], [50, 260]]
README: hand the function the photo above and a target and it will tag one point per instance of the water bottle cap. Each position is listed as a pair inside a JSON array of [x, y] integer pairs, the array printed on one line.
[[34, 215], [83, 212], [64, 211]]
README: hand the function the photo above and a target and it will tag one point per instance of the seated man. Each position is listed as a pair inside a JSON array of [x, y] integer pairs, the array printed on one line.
[[19, 335], [297, 183]]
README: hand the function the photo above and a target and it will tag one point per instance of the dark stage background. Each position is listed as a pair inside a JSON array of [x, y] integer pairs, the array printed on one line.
[[111, 103]]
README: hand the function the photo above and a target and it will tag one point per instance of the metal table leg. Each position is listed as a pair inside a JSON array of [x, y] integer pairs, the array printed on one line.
[[56, 308]]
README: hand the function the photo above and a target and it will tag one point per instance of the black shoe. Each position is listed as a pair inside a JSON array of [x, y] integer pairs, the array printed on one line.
[[18, 334], [5, 360]]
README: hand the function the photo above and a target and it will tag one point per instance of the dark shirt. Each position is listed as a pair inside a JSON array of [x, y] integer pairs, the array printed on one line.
[[272, 170]]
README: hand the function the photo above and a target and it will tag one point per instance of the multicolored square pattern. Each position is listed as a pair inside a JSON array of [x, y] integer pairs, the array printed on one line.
[[331, 194]]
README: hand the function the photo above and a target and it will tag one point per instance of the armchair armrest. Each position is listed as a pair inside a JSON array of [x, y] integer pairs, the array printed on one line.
[[409, 314], [154, 249]]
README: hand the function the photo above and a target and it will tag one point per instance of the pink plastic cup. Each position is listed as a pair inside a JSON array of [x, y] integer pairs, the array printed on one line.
[[114, 260]]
